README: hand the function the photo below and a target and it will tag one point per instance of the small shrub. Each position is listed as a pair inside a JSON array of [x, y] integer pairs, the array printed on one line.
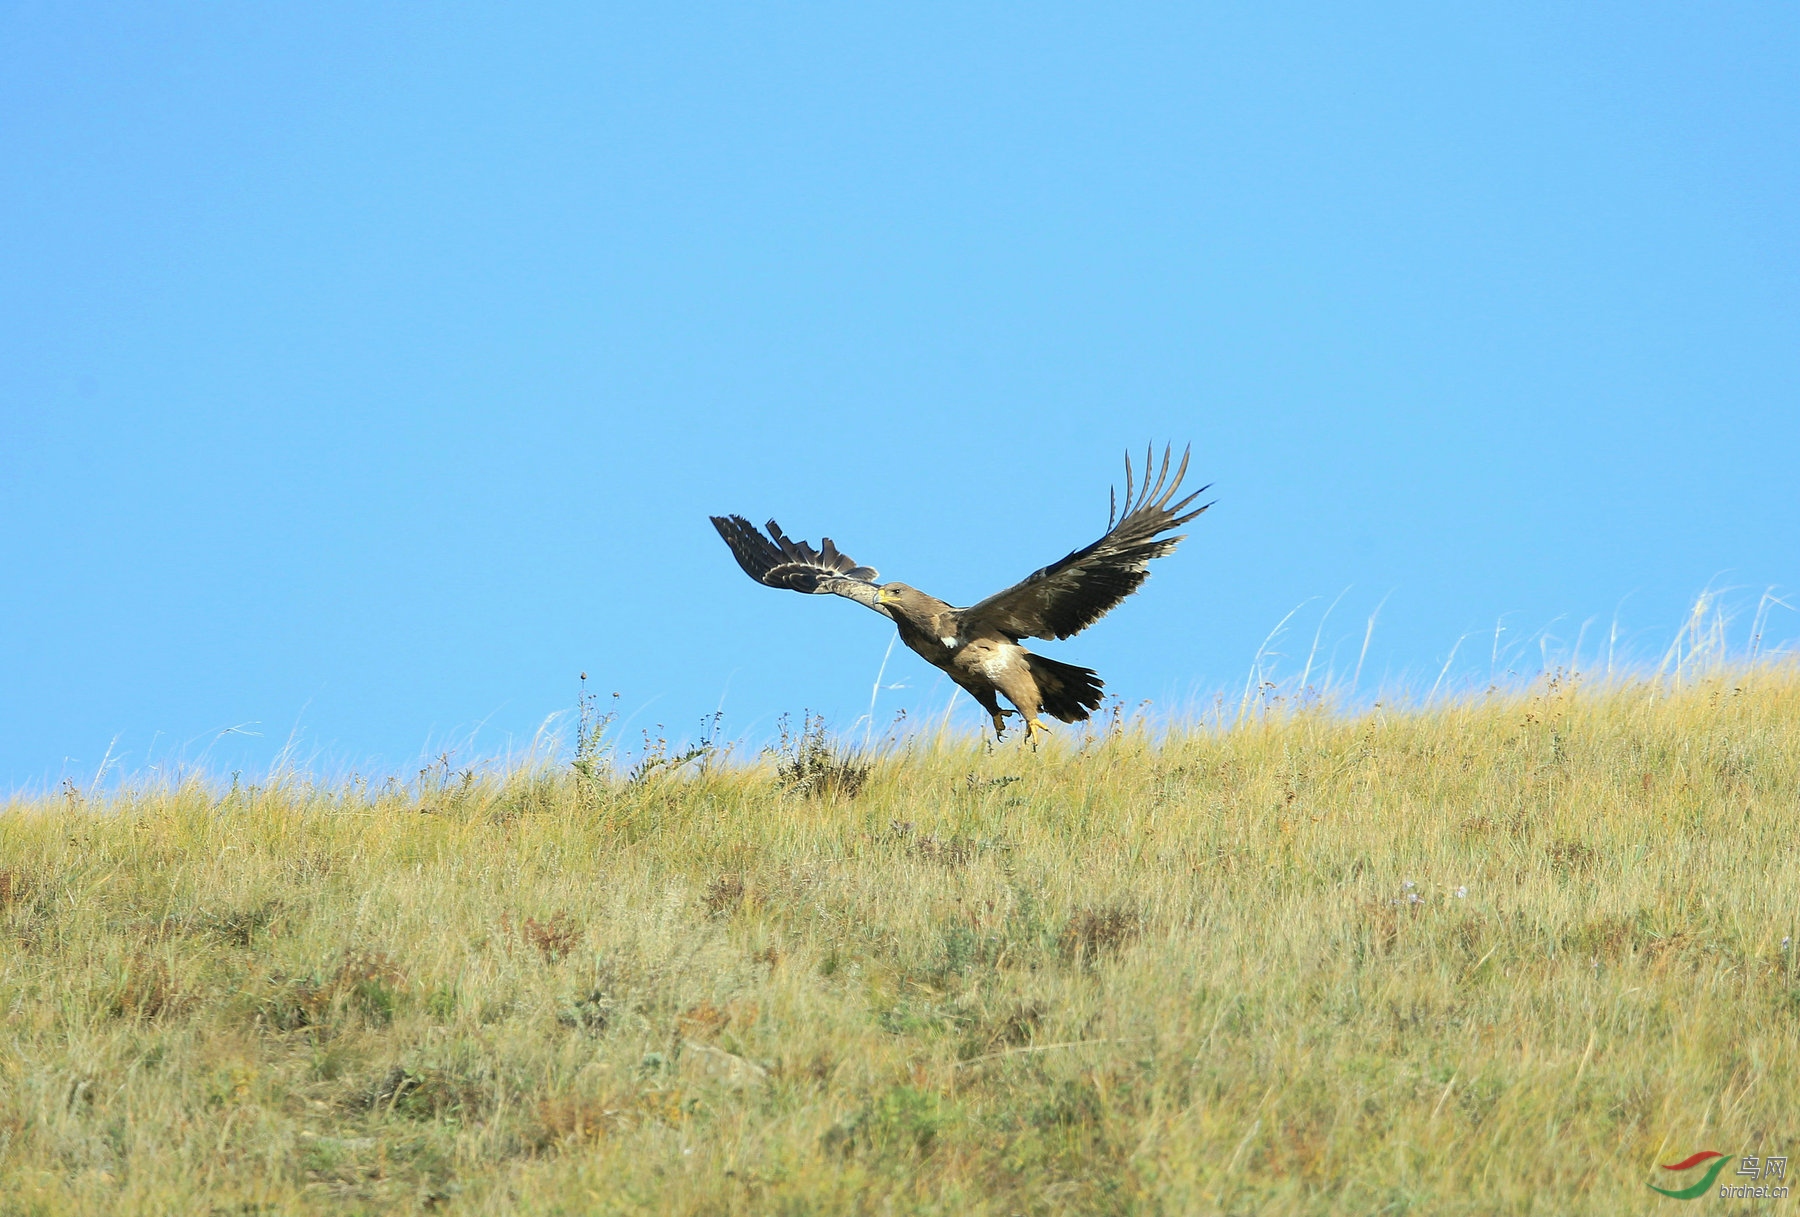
[[239, 927], [441, 1003], [903, 1121], [952, 852], [1378, 923], [1572, 857], [572, 1120], [146, 990], [591, 1013], [658, 760], [1013, 1029], [296, 1004], [703, 1021], [366, 983], [807, 763], [1091, 933], [390, 1089], [1605, 937], [723, 895], [590, 731], [1072, 1105], [1018, 1026], [370, 983], [553, 938], [427, 1094]]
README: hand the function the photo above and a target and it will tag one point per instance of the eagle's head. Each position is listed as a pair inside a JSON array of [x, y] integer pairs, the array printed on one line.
[[899, 600]]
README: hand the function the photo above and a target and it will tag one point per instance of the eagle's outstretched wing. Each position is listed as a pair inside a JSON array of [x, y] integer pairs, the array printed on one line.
[[1066, 597], [778, 561]]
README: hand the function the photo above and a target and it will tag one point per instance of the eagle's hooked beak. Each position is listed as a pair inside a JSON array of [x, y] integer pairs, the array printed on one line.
[[884, 596]]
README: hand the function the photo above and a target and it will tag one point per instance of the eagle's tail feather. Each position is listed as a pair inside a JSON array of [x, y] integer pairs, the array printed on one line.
[[1069, 693]]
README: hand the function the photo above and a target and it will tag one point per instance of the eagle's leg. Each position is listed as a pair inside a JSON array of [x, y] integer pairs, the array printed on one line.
[[990, 703], [1016, 682]]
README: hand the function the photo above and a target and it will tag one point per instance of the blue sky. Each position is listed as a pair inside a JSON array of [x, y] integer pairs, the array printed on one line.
[[368, 372]]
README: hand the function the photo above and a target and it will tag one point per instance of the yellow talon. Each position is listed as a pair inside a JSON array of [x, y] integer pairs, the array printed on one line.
[[1033, 726]]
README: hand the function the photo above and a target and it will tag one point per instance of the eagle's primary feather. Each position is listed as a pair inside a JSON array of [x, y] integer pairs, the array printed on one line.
[[978, 647]]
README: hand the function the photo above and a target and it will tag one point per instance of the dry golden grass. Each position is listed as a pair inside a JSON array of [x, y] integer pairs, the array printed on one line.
[[1129, 976]]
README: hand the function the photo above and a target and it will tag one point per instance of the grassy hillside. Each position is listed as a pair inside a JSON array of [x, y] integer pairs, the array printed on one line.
[[1496, 958]]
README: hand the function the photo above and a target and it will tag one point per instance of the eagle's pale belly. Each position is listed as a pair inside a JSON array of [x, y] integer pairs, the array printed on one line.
[[999, 660]]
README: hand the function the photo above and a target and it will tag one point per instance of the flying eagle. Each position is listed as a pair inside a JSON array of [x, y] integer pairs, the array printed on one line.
[[978, 647]]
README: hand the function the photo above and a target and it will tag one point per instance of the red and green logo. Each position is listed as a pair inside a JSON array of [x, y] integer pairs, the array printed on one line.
[[1688, 1164]]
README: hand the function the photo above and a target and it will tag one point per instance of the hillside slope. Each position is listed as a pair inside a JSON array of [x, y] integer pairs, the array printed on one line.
[[1501, 957]]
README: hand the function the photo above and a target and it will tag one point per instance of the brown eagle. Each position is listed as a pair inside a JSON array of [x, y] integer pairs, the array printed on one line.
[[978, 647]]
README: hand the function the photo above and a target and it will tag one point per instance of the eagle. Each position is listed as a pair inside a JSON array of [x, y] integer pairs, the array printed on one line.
[[978, 647]]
